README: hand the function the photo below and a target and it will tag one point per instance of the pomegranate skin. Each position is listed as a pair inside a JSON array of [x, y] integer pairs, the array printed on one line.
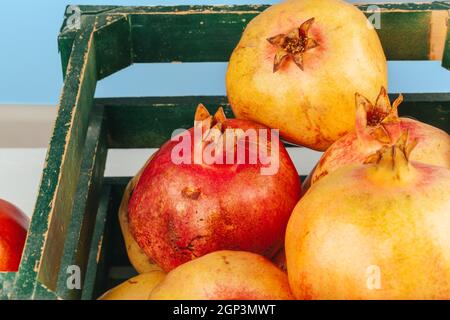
[[225, 275], [13, 232], [181, 212], [312, 107], [372, 232]]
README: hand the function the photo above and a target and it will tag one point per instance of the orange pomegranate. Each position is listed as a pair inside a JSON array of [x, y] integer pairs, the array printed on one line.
[[298, 66], [378, 230], [225, 275]]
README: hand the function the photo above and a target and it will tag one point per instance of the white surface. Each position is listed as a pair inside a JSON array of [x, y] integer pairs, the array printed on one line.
[[20, 170]]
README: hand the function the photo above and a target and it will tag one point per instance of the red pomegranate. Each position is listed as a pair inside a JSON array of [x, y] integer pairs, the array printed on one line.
[[297, 68], [378, 125], [13, 232], [184, 207]]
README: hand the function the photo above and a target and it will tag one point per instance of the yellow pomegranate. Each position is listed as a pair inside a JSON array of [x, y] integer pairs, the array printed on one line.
[[225, 275], [136, 288], [373, 231], [297, 68]]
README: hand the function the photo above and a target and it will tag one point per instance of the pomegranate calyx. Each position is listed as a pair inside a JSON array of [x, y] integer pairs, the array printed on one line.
[[372, 120], [394, 158], [220, 116], [201, 113], [293, 44], [191, 192]]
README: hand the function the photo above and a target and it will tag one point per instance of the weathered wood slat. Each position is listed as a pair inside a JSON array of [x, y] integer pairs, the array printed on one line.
[[446, 54], [6, 282], [209, 33], [96, 272], [113, 44], [85, 205], [149, 122], [61, 172]]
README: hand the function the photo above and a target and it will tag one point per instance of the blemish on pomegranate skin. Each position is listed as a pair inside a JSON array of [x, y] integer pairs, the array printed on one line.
[[191, 193], [321, 175], [225, 260]]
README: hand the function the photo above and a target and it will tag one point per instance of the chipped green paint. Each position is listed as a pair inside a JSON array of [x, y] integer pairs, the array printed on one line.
[[74, 221], [148, 122], [85, 204], [96, 272], [152, 119], [6, 282], [209, 33], [60, 175]]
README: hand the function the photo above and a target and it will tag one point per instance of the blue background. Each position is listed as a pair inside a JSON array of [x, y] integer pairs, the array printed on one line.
[[30, 71]]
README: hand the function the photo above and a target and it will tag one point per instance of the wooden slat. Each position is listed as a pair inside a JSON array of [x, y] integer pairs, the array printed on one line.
[[6, 282], [85, 205], [96, 273], [149, 122], [210, 33], [113, 44], [446, 57], [199, 35], [62, 168]]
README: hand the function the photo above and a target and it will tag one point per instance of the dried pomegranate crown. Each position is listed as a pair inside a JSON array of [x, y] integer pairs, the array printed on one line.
[[203, 117], [213, 128], [395, 157], [373, 119], [223, 136], [293, 44]]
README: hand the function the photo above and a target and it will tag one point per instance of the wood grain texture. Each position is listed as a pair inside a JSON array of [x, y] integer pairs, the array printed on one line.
[[96, 272], [149, 122], [61, 172], [6, 283], [209, 33], [85, 204]]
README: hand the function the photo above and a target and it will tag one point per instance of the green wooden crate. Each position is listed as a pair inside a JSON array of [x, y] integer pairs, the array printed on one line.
[[75, 218]]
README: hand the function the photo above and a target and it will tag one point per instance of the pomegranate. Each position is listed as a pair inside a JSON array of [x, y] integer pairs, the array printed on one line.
[[136, 288], [298, 66], [225, 275], [378, 125], [13, 232], [378, 230], [182, 209]]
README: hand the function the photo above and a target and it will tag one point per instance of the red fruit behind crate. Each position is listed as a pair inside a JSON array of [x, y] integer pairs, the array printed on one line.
[[13, 232]]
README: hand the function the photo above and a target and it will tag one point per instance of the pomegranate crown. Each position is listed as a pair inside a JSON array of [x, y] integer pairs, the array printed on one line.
[[293, 45], [394, 157], [372, 120], [212, 127], [208, 122]]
